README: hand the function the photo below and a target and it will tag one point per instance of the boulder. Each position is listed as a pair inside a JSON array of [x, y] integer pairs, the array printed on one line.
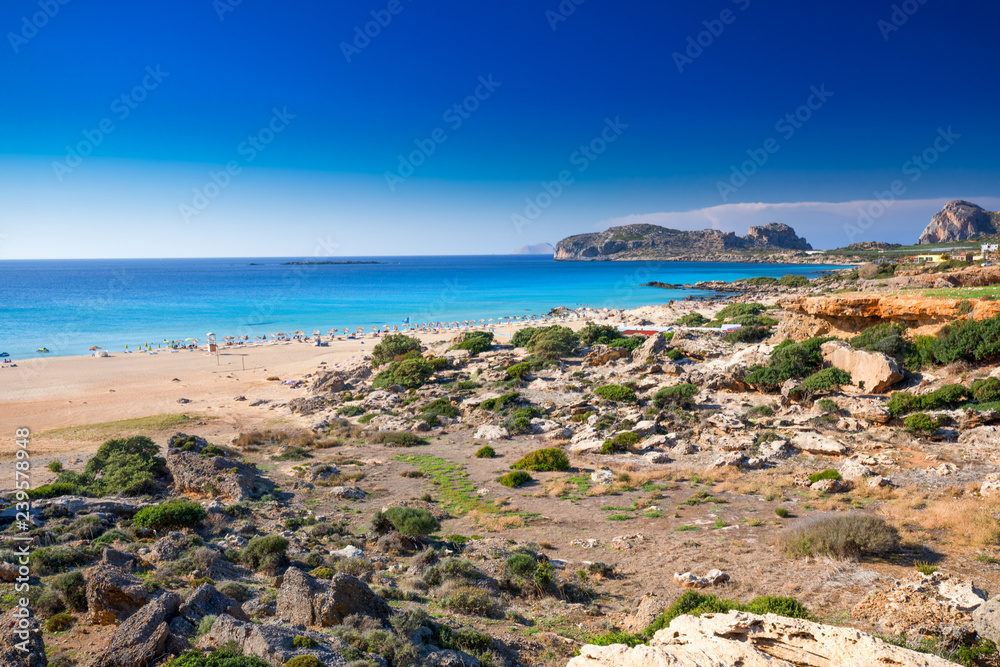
[[602, 355], [814, 443], [121, 559], [654, 345], [870, 371], [752, 640], [305, 600], [986, 619], [602, 476], [711, 578], [450, 658], [207, 601], [273, 643], [981, 437], [645, 427], [142, 638], [491, 432], [8, 572], [350, 551], [215, 475], [112, 593], [14, 638], [962, 593]]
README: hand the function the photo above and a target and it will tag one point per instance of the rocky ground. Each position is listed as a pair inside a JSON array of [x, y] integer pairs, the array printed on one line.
[[377, 522]]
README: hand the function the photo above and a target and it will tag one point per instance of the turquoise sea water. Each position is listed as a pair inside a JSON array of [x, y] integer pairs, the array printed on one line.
[[70, 305]]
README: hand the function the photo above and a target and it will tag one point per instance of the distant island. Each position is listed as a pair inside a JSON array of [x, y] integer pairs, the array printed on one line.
[[773, 242], [346, 261]]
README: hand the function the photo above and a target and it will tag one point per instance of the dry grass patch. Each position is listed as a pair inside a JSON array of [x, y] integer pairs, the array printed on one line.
[[967, 521], [123, 428], [495, 523]]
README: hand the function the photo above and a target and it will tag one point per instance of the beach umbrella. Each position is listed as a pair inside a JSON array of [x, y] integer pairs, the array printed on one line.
[[316, 332], [95, 347]]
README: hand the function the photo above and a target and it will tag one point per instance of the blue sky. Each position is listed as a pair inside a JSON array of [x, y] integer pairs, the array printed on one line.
[[253, 127]]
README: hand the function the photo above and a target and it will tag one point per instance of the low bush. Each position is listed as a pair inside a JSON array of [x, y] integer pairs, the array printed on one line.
[[680, 394], [739, 310], [124, 466], [695, 604], [748, 334], [485, 452], [828, 379], [522, 337], [692, 320], [501, 403], [169, 516], [397, 439], [620, 443], [475, 342], [412, 521], [887, 337], [514, 479], [519, 420], [392, 347], [598, 333], [788, 361], [792, 280], [519, 371], [72, 588], [304, 661], [616, 393], [673, 354], [826, 474], [847, 536], [266, 553], [967, 340], [301, 641], [59, 622], [469, 600], [947, 396], [781, 512], [49, 560], [921, 422], [552, 343], [351, 411], [224, 657], [761, 411], [56, 490], [986, 390], [543, 460], [410, 373]]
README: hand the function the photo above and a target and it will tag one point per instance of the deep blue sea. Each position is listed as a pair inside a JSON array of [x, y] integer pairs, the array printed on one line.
[[70, 305]]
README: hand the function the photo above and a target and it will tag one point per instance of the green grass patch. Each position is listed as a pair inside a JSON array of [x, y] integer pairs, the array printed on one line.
[[456, 492], [123, 427]]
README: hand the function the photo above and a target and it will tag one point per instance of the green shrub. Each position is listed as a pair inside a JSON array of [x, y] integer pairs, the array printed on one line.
[[72, 587], [169, 515], [673, 354], [412, 521], [57, 489], [519, 420], [748, 334], [594, 333], [304, 660], [781, 512], [266, 553], [501, 403], [789, 360], [518, 371], [616, 393], [475, 342], [947, 396], [49, 560], [205, 625], [848, 536], [301, 641], [680, 394], [692, 320], [59, 622], [409, 373], [397, 439], [469, 600], [485, 452], [522, 337], [124, 466], [921, 422], [739, 310], [968, 340], [759, 281], [986, 390], [552, 343], [110, 537], [620, 443], [695, 604], [761, 411], [55, 466], [224, 657], [392, 347], [826, 474], [792, 280], [631, 343], [543, 460], [351, 411], [827, 379], [514, 479], [923, 567], [618, 637], [322, 573]]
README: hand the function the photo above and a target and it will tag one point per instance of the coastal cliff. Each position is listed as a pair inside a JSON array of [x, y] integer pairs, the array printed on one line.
[[959, 220], [632, 242]]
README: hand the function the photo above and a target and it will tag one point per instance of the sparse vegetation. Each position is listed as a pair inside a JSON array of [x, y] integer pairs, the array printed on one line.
[[548, 459], [847, 536]]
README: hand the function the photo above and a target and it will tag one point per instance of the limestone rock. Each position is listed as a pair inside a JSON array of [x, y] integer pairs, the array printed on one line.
[[711, 578], [273, 643], [308, 601], [142, 638], [814, 443], [113, 592], [450, 658], [207, 601], [654, 345], [10, 654], [956, 221], [491, 432], [750, 640], [980, 437], [193, 473], [986, 619], [602, 476], [870, 371], [601, 355]]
